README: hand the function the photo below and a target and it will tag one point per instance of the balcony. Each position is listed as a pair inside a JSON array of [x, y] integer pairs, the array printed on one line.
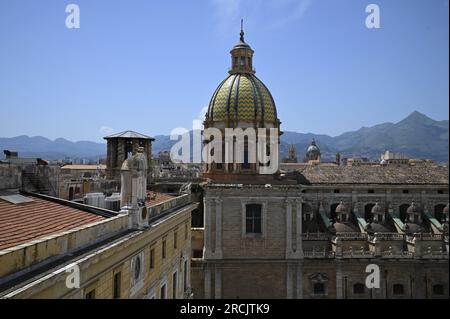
[[386, 237], [423, 237], [316, 236], [350, 236], [318, 254], [394, 254], [357, 254]]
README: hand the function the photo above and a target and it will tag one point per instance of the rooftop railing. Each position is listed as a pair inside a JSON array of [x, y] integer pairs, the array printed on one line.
[[350, 236], [316, 236], [318, 254], [386, 236]]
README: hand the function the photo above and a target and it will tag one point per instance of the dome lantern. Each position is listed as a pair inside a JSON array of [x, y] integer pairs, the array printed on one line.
[[241, 56]]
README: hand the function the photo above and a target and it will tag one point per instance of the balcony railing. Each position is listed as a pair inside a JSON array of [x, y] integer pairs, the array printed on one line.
[[435, 255], [316, 236], [318, 254], [397, 254], [357, 254], [386, 236], [350, 236], [426, 236]]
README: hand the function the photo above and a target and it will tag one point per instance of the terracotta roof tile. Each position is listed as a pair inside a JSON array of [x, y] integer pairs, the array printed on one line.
[[155, 198], [20, 223]]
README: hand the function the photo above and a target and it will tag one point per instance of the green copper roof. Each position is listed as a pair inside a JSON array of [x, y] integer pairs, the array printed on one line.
[[242, 97]]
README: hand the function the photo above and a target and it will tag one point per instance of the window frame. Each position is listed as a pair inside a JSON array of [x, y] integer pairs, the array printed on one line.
[[395, 293], [117, 286], [264, 204]]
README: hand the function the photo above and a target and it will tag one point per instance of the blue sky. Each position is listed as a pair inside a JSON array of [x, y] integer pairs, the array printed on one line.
[[152, 66]]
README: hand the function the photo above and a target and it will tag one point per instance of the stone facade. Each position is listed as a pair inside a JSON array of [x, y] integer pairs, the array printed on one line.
[[285, 258]]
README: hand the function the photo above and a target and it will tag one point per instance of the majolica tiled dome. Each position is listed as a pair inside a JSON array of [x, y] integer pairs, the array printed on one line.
[[242, 97]]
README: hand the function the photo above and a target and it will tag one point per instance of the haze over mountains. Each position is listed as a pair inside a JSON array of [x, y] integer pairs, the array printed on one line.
[[417, 136]]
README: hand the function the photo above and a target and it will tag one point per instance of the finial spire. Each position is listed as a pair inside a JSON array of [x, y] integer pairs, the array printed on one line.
[[242, 30]]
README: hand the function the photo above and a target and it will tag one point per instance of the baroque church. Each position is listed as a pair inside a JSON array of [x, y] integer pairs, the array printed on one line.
[[314, 232]]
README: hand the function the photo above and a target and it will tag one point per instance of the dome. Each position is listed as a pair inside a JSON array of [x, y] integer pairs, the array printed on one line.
[[413, 209], [242, 97], [377, 209], [341, 208], [313, 151]]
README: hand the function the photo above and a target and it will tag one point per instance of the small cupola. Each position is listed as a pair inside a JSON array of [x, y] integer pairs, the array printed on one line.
[[377, 214], [241, 56]]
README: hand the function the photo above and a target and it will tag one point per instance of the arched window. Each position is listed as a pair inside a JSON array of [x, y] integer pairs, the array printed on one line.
[[333, 211], [368, 211], [438, 209], [403, 209]]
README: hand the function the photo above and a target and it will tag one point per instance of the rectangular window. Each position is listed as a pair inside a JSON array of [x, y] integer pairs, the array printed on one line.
[[152, 258], [405, 191], [371, 191], [336, 191], [319, 288], [90, 294], [358, 289], [175, 240], [163, 291], [398, 289], [163, 249], [438, 289], [174, 286], [117, 284], [246, 164], [253, 219]]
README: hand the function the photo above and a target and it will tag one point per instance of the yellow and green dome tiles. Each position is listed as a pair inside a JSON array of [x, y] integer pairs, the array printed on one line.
[[242, 97]]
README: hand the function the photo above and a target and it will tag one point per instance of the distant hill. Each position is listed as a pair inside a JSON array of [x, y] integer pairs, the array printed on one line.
[[60, 148], [417, 136]]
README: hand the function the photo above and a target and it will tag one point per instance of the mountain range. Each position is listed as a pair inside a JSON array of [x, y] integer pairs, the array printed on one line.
[[417, 136]]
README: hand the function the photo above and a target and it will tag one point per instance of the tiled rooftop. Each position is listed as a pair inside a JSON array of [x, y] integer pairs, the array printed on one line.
[[84, 167], [155, 198], [21, 223], [375, 174]]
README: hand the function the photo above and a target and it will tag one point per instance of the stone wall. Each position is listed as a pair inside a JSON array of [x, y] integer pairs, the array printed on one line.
[[10, 176]]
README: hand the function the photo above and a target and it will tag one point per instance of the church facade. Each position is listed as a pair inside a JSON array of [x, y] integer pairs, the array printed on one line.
[[318, 231]]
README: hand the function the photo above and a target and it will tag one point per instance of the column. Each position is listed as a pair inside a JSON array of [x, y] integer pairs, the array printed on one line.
[[289, 283], [299, 281], [218, 283], [288, 228], [207, 219], [207, 283], [299, 216], [218, 250], [339, 294]]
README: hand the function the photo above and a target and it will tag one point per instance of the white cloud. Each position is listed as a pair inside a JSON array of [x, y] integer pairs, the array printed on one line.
[[105, 131], [263, 13]]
